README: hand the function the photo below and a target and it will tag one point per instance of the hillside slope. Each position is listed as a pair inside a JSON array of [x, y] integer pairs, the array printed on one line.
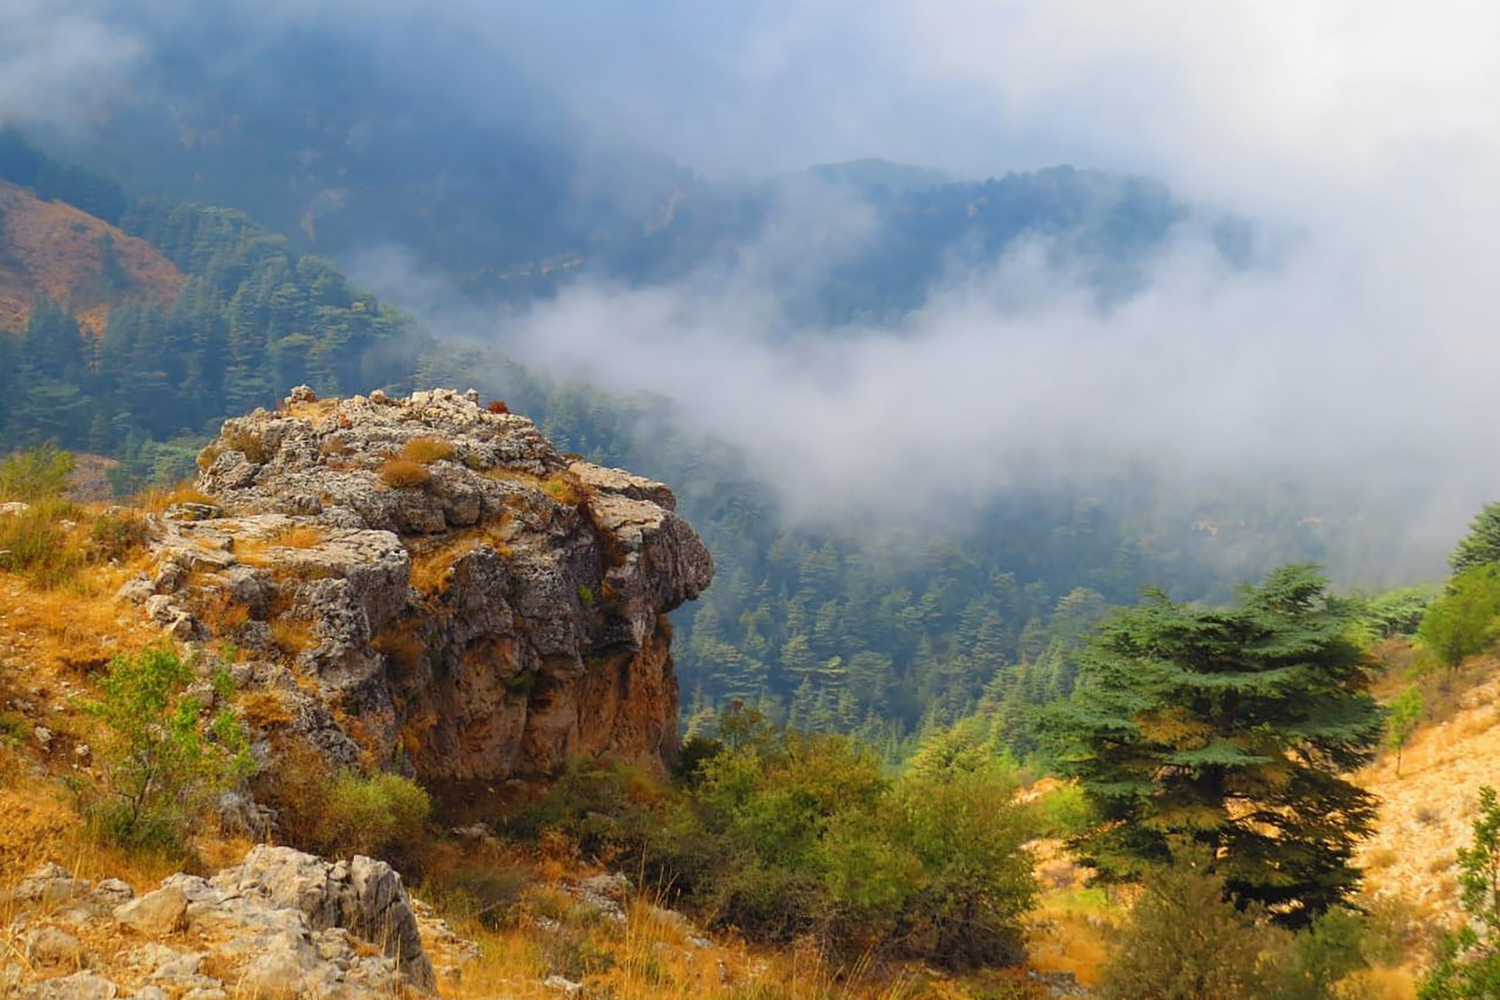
[[1427, 810], [55, 250]]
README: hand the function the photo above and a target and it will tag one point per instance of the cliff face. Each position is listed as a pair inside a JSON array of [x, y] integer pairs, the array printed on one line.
[[423, 580]]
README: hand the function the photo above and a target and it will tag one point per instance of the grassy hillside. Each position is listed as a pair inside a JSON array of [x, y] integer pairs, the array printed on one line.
[[54, 250]]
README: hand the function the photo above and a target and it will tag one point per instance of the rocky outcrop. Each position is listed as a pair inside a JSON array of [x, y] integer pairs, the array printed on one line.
[[461, 597], [281, 924]]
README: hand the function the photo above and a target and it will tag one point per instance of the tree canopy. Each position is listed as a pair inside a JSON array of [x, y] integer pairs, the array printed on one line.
[[1229, 728]]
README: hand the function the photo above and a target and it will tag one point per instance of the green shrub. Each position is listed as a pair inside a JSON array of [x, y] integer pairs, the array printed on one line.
[[1183, 941], [1064, 812], [35, 475], [380, 815], [1468, 960], [165, 756], [786, 835], [1466, 619]]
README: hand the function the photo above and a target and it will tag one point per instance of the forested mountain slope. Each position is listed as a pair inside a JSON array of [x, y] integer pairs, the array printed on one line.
[[829, 626]]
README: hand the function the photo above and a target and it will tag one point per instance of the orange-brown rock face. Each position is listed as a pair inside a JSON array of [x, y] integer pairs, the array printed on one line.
[[467, 601]]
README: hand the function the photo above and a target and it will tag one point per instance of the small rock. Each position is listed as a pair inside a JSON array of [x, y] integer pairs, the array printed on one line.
[[15, 507], [302, 394], [112, 890], [81, 751], [563, 985], [135, 590], [78, 986], [50, 946], [49, 884], [43, 737], [202, 993], [193, 512], [701, 943], [149, 993], [278, 970], [155, 913], [379, 397]]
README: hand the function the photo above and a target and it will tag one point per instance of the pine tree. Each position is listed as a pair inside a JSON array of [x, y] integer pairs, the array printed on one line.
[[1482, 544], [1231, 728]]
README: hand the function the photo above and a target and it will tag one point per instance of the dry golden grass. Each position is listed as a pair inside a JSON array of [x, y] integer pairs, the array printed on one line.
[[651, 958], [249, 443], [154, 501], [565, 488], [292, 635], [431, 565], [425, 450], [317, 409], [403, 473], [300, 536]]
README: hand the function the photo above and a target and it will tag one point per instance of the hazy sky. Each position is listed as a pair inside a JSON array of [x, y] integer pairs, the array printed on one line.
[[1364, 132]]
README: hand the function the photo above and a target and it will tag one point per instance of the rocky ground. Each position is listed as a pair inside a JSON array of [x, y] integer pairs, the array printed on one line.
[[281, 924]]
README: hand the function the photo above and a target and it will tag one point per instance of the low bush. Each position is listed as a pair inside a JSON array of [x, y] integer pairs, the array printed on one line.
[[36, 474], [785, 835], [1186, 940], [381, 815], [35, 544], [165, 755], [116, 537]]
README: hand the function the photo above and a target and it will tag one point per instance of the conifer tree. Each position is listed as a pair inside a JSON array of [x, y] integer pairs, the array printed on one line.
[[1231, 728]]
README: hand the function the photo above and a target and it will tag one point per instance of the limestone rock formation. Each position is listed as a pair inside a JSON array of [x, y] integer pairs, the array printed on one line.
[[463, 598], [281, 924]]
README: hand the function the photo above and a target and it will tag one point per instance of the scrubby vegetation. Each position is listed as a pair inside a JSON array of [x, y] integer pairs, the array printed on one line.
[[381, 814], [783, 834], [166, 752], [1186, 939], [1468, 961], [35, 474]]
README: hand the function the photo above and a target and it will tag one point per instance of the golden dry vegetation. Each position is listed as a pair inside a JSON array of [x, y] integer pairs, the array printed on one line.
[[53, 249], [1427, 809], [426, 450]]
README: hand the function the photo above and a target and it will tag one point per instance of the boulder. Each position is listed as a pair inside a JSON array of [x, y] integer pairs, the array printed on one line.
[[535, 629], [156, 913]]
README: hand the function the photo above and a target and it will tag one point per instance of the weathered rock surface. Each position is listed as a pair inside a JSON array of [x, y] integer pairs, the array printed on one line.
[[502, 610], [281, 924]]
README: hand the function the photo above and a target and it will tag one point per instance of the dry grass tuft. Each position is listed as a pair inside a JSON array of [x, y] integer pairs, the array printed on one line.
[[292, 635], [249, 443], [402, 473], [565, 488], [426, 450]]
